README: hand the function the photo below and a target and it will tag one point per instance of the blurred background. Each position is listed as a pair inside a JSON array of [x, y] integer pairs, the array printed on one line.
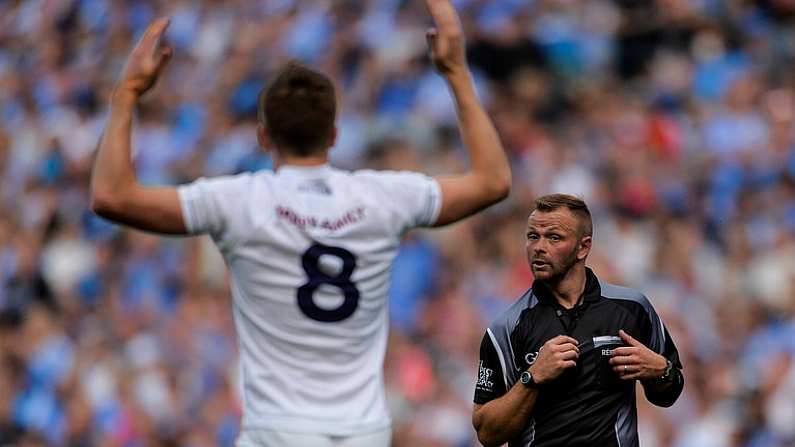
[[672, 118]]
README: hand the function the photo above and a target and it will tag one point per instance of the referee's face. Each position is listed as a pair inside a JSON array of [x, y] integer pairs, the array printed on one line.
[[553, 244]]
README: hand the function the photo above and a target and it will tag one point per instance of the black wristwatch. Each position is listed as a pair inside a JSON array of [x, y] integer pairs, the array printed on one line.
[[669, 369], [527, 380]]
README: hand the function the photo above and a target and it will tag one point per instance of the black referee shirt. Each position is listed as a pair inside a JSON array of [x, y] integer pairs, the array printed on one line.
[[588, 405]]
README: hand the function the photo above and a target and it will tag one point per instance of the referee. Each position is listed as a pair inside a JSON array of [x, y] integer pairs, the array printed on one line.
[[558, 368]]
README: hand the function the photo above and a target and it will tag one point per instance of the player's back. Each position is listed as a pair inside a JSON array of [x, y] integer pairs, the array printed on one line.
[[309, 251]]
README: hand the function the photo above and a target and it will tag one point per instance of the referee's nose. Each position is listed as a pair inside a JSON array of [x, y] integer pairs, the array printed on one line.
[[538, 246]]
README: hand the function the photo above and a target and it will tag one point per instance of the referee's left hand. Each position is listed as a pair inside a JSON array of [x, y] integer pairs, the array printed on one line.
[[636, 361]]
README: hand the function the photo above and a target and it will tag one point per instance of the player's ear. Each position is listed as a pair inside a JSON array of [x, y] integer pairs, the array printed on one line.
[[333, 138], [262, 138]]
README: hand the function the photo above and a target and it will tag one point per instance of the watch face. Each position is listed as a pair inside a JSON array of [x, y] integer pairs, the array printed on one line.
[[526, 377]]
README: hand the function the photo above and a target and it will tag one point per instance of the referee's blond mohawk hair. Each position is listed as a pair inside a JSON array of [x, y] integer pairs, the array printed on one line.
[[576, 205]]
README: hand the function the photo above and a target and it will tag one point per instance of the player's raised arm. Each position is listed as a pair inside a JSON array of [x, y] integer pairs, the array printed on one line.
[[115, 191], [489, 179]]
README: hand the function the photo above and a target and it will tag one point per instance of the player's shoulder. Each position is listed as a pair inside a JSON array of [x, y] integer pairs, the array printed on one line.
[[225, 182], [389, 183], [389, 176]]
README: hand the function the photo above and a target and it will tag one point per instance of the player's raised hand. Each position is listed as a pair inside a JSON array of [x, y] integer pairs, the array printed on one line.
[[147, 60], [446, 38]]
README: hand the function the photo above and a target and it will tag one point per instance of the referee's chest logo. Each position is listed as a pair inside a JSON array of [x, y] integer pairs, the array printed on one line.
[[606, 344]]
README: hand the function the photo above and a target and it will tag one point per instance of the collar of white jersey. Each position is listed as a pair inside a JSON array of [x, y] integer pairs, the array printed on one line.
[[296, 170]]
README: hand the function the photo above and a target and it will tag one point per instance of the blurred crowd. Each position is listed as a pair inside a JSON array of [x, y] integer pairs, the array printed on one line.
[[673, 119]]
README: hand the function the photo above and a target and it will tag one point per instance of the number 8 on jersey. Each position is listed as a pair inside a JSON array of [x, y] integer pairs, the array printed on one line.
[[306, 293]]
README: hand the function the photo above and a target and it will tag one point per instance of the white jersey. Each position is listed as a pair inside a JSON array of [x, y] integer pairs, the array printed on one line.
[[310, 251]]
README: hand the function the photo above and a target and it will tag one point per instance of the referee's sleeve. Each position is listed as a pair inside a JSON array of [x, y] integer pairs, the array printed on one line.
[[670, 352], [657, 337], [490, 381]]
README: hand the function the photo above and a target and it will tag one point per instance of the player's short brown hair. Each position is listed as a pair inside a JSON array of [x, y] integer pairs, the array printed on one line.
[[299, 109], [574, 204]]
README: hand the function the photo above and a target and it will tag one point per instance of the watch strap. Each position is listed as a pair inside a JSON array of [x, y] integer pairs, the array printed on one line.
[[667, 374], [528, 380]]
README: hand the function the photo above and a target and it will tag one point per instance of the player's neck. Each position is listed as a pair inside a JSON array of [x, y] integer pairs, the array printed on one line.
[[292, 160], [570, 288]]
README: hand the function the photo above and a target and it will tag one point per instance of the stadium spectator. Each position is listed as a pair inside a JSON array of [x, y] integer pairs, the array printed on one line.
[[705, 228]]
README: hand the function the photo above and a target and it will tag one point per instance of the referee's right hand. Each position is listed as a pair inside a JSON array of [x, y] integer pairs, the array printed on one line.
[[557, 355]]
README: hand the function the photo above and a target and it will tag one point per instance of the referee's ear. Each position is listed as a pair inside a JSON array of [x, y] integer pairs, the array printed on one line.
[[584, 247]]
